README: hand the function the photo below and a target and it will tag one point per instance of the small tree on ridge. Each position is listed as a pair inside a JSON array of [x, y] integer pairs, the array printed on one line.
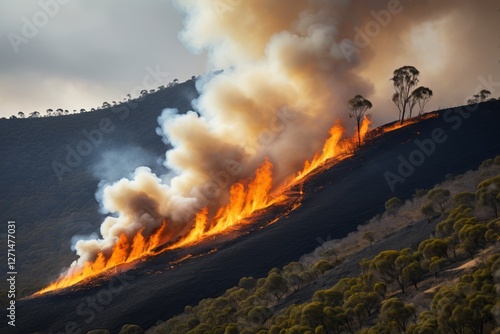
[[358, 106], [404, 79]]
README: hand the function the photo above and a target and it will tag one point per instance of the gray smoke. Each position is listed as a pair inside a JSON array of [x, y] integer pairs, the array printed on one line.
[[289, 68]]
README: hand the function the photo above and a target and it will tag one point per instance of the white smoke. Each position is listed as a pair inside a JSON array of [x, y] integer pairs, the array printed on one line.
[[285, 82]]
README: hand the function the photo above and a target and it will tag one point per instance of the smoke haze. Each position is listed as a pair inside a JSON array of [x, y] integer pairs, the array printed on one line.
[[288, 73]]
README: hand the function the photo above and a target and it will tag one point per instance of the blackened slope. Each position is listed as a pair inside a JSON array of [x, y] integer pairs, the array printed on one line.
[[49, 211], [336, 202]]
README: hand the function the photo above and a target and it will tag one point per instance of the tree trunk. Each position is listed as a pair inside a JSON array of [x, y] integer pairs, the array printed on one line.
[[359, 138], [401, 285], [403, 112]]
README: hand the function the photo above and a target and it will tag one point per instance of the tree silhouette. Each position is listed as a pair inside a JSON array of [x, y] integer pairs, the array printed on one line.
[[358, 105], [483, 95], [479, 97], [21, 114], [404, 80], [420, 97]]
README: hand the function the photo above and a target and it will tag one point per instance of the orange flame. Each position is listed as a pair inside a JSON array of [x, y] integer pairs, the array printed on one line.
[[335, 147], [124, 251], [398, 125], [245, 199]]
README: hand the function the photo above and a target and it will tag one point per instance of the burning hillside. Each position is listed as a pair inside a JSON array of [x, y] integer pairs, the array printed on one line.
[[256, 128], [246, 197]]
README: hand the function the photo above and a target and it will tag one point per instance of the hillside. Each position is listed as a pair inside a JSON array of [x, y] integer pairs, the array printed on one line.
[[343, 287], [50, 210], [331, 207]]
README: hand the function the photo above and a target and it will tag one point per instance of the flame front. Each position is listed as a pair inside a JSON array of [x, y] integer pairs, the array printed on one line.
[[246, 197], [398, 125], [124, 251], [335, 147]]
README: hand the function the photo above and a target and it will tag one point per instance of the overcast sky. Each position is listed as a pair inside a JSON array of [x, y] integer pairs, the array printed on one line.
[[84, 52], [88, 52]]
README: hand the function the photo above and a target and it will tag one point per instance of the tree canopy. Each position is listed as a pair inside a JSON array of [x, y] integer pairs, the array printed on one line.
[[358, 106], [404, 79]]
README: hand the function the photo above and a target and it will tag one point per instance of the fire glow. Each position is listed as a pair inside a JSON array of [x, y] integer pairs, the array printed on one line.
[[398, 125], [246, 198], [334, 147]]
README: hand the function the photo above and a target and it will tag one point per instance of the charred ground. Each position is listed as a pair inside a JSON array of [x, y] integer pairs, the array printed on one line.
[[336, 202]]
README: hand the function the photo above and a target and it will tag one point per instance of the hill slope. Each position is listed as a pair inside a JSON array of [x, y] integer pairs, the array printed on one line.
[[331, 207], [49, 208]]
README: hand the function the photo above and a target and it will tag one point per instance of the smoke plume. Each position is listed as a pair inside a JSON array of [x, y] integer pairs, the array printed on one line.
[[288, 69]]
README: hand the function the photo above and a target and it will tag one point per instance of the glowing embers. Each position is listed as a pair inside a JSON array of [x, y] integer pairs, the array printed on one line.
[[398, 125]]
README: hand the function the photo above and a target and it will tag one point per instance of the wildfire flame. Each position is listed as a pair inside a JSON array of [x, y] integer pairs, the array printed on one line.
[[398, 125], [335, 147], [124, 251], [246, 198]]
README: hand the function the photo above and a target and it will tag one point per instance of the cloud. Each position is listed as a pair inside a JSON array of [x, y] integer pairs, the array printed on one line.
[[90, 52], [287, 68]]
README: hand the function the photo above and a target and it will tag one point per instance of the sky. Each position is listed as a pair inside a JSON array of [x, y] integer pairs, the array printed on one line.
[[87, 52], [84, 52]]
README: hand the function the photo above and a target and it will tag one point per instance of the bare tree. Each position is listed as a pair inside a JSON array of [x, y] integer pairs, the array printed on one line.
[[358, 106]]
